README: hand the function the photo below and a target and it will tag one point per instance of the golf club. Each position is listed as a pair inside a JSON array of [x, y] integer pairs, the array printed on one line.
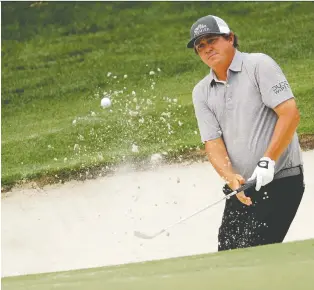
[[242, 188]]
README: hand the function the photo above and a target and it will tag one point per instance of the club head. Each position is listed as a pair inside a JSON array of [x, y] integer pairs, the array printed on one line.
[[142, 235]]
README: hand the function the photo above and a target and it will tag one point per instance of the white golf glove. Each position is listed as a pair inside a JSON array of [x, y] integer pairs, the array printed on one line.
[[263, 173]]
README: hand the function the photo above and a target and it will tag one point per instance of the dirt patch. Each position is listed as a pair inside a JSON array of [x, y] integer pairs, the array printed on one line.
[[307, 141], [93, 172]]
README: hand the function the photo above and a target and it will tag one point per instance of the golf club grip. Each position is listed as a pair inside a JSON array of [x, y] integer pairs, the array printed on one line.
[[246, 186]]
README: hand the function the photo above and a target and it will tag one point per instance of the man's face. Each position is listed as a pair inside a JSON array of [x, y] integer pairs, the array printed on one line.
[[214, 50]]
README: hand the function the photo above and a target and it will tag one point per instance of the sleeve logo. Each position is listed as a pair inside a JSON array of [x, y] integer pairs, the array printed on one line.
[[280, 87]]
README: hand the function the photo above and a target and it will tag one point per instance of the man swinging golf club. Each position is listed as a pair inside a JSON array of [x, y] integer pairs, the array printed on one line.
[[247, 117]]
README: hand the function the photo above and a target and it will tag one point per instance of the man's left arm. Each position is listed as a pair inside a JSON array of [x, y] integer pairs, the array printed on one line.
[[277, 95], [287, 123]]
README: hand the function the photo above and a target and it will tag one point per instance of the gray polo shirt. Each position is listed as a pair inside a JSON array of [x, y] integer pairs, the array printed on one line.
[[241, 111]]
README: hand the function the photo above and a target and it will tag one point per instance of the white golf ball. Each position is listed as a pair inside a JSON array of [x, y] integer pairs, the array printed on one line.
[[105, 102]]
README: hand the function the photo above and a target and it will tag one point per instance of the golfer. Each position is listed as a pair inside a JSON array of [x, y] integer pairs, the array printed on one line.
[[247, 117]]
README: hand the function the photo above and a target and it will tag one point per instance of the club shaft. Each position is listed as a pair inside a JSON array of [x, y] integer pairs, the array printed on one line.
[[242, 188], [200, 210]]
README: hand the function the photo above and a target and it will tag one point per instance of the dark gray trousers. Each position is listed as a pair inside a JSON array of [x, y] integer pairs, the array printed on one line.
[[267, 220]]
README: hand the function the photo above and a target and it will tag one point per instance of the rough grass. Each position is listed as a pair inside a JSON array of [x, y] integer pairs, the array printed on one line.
[[56, 59]]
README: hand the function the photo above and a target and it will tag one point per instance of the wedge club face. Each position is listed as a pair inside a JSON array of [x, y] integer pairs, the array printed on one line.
[[145, 236]]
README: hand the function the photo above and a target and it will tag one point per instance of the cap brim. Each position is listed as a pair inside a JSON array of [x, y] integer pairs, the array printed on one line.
[[192, 41]]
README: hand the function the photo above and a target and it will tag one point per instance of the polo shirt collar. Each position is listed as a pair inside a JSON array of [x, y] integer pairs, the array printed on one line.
[[236, 64], [212, 77]]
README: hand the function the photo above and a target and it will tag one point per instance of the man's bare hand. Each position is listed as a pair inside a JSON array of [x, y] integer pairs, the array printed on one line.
[[234, 184]]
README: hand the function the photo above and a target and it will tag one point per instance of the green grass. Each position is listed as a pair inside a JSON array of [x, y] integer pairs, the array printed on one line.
[[286, 266], [55, 60]]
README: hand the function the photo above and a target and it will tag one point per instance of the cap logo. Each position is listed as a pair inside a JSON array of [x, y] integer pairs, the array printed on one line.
[[201, 28]]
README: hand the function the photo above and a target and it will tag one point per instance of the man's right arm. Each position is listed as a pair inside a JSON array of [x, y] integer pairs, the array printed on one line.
[[211, 135], [218, 156]]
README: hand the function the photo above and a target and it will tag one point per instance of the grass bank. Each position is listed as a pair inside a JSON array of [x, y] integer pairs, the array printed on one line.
[[280, 266], [60, 58]]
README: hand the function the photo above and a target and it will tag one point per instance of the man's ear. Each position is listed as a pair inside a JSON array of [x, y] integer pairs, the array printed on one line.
[[231, 37]]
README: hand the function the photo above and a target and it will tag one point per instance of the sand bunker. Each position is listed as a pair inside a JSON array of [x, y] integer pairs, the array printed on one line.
[[89, 224]]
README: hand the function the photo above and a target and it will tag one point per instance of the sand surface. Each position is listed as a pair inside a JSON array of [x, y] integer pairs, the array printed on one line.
[[91, 223]]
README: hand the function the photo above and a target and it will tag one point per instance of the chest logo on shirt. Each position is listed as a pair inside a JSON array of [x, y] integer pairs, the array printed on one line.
[[280, 87]]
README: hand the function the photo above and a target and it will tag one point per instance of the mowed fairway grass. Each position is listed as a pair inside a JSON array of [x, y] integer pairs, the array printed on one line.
[[287, 266], [59, 58]]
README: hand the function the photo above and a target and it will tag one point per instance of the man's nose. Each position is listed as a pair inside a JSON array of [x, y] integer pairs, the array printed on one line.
[[208, 47]]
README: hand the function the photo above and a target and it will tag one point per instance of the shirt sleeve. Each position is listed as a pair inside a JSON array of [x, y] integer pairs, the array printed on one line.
[[272, 82], [207, 123]]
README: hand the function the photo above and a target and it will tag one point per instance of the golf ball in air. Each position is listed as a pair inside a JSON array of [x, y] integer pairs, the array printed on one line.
[[105, 102]]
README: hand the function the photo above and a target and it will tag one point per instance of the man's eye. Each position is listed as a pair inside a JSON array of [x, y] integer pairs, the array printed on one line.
[[201, 45]]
